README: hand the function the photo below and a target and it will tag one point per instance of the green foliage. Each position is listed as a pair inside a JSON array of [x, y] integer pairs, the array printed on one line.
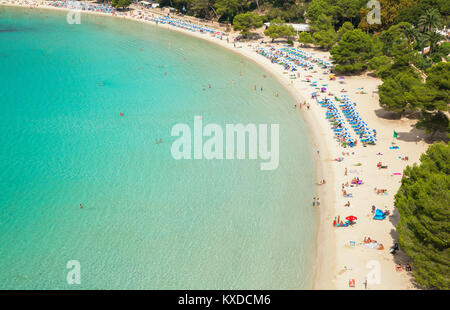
[[325, 39], [339, 10], [380, 65], [433, 122], [229, 8], [346, 27], [396, 40], [424, 227], [120, 3], [323, 31], [245, 22], [432, 38], [413, 12], [305, 38], [421, 62], [438, 83], [289, 11], [278, 29], [321, 7], [353, 52], [434, 94], [430, 20], [444, 48], [396, 93]]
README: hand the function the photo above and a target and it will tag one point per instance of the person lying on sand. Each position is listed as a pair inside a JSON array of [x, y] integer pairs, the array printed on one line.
[[380, 191], [380, 165]]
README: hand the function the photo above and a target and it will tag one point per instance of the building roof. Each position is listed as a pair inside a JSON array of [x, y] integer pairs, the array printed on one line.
[[297, 27]]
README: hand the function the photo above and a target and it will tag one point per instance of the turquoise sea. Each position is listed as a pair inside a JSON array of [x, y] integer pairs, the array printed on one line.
[[148, 221]]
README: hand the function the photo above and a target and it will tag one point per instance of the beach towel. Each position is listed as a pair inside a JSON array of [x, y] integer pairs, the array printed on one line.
[[371, 245], [379, 215]]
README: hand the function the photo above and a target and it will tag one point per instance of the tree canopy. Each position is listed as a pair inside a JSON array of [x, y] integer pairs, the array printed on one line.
[[246, 22], [278, 29], [354, 50], [120, 3], [323, 31], [396, 92], [424, 226], [305, 38]]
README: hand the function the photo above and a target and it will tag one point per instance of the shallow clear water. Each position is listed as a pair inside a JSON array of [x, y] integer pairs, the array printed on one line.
[[148, 220]]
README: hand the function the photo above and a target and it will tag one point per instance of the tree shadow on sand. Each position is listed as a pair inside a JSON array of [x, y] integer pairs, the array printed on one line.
[[382, 113], [417, 135], [400, 257]]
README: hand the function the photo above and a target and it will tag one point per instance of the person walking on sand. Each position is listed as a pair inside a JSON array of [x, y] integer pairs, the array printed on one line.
[[314, 202], [318, 201], [345, 172]]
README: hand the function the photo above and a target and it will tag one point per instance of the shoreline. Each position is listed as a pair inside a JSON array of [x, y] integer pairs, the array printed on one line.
[[330, 251]]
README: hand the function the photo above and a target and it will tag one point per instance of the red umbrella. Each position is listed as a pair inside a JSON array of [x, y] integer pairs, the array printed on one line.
[[351, 218]]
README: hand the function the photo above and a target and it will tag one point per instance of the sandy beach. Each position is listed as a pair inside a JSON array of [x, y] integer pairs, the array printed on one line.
[[341, 252]]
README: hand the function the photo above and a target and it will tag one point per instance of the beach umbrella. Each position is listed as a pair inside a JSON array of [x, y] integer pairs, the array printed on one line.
[[351, 218]]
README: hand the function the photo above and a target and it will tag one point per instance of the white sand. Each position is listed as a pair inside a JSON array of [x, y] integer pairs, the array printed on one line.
[[336, 261]]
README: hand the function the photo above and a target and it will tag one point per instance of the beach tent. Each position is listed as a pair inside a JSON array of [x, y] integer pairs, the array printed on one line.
[[379, 215]]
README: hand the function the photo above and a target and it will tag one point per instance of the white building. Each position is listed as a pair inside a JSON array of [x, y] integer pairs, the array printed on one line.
[[297, 27], [149, 4]]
